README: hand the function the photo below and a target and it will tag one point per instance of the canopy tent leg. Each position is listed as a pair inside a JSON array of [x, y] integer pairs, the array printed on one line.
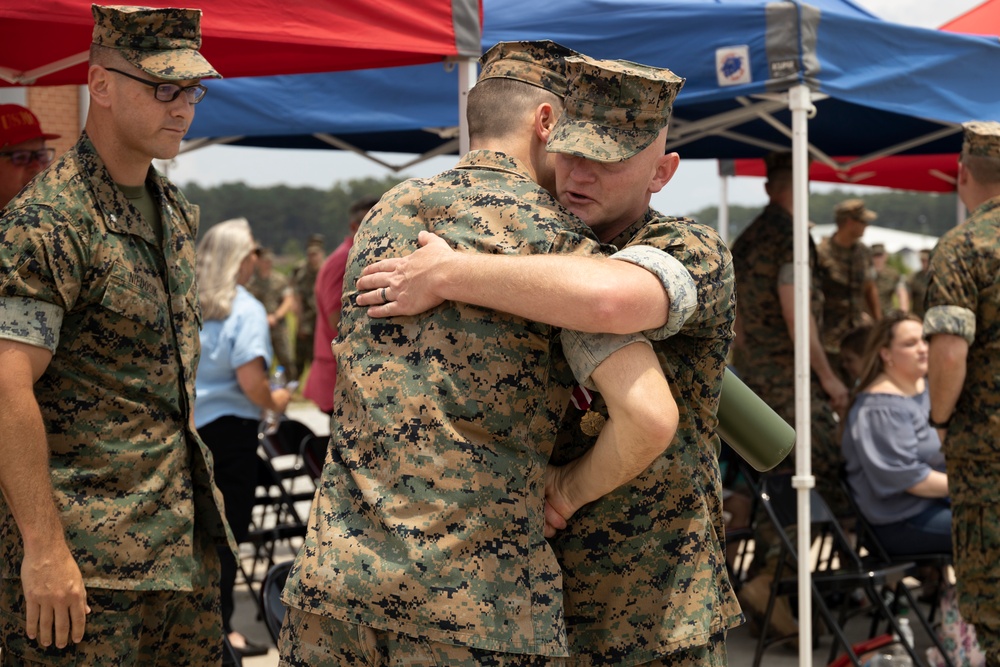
[[801, 106]]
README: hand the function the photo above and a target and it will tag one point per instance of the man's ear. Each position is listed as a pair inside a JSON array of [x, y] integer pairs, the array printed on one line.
[[545, 119], [963, 173], [99, 84], [666, 167]]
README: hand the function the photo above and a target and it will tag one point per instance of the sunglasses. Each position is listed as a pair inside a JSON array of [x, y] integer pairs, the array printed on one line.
[[168, 92], [42, 156]]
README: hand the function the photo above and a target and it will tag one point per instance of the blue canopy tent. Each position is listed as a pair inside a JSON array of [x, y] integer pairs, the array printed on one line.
[[824, 78], [880, 80]]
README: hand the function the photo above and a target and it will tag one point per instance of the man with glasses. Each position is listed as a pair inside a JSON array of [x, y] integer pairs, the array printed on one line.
[[109, 517], [23, 152]]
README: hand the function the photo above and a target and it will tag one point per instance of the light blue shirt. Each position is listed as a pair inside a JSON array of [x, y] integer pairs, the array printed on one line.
[[225, 346]]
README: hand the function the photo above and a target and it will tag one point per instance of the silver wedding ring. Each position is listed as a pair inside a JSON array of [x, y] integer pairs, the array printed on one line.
[[385, 298]]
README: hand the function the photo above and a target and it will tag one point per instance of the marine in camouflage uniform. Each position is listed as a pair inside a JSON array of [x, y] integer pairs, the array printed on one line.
[[846, 277], [303, 280], [271, 290], [917, 284], [963, 301], [428, 522], [102, 277], [644, 567], [887, 280], [763, 260]]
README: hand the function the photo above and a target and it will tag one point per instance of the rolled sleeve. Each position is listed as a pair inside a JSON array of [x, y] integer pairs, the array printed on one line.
[[954, 320], [586, 351], [677, 282], [30, 321]]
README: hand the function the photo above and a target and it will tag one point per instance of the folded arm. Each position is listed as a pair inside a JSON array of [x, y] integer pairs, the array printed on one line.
[[642, 421]]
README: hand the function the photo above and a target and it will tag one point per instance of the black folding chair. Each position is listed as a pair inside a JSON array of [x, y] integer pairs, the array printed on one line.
[[312, 452], [838, 571], [270, 594], [868, 540]]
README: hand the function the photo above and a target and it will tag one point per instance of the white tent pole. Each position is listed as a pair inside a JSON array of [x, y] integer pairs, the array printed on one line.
[[467, 74], [724, 208], [800, 104]]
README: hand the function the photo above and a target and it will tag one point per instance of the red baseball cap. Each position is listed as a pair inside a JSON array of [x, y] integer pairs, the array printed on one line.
[[18, 124]]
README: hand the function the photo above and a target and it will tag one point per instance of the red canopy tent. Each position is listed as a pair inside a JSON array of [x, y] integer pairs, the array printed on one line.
[[46, 42], [926, 173]]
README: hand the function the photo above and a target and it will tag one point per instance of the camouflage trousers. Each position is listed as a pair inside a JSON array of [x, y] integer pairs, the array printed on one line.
[[976, 538], [127, 628], [312, 640], [712, 654]]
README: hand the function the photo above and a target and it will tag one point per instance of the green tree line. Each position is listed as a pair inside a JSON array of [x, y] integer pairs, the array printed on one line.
[[283, 218], [921, 213]]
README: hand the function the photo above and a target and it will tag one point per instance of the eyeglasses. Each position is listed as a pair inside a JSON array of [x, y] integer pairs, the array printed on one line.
[[168, 92], [42, 156]]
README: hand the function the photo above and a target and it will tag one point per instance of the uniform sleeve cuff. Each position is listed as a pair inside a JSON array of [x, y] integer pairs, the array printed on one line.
[[30, 321], [586, 351], [954, 320], [676, 280]]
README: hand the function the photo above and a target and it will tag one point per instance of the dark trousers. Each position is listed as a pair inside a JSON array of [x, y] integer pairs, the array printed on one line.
[[233, 443]]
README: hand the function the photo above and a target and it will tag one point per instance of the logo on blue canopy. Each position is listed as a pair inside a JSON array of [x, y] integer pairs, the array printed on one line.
[[732, 65]]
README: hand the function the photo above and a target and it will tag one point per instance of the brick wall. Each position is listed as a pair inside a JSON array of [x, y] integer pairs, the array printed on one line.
[[58, 111]]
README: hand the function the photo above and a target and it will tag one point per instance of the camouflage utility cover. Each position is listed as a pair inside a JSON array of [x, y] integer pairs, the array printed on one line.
[[429, 517], [645, 567], [84, 276], [982, 138], [613, 108], [161, 42], [540, 63]]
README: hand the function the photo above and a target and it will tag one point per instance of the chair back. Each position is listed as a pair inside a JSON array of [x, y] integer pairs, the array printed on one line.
[[313, 454], [270, 593]]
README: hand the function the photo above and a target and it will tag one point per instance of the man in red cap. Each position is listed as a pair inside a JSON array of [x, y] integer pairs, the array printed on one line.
[[23, 152]]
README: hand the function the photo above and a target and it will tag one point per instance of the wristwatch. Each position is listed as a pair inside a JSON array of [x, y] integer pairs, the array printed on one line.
[[944, 424]]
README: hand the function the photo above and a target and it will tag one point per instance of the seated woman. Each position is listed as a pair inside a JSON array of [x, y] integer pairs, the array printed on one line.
[[895, 467]]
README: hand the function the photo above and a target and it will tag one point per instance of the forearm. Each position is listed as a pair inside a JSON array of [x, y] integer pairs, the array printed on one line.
[[256, 386], [935, 485], [588, 294], [946, 373], [24, 476], [287, 305]]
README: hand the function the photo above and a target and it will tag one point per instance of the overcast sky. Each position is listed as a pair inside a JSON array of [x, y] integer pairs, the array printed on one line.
[[695, 186]]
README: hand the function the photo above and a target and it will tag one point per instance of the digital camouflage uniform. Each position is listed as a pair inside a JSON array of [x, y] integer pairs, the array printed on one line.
[[429, 516], [85, 276], [763, 258], [271, 291], [963, 299], [303, 280], [842, 275], [644, 568], [917, 284], [886, 282]]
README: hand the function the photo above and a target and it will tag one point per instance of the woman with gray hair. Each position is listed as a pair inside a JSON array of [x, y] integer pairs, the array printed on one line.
[[232, 384]]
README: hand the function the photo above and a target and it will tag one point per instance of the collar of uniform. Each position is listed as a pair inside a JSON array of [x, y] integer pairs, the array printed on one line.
[[987, 205], [119, 214], [493, 160], [629, 232]]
